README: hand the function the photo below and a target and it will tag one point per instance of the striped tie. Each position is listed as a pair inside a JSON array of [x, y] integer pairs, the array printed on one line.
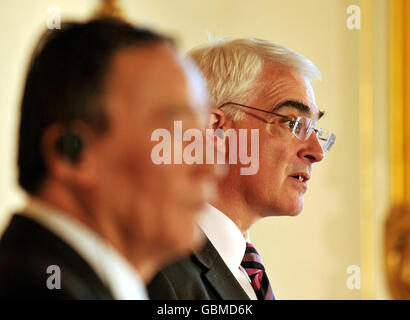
[[252, 263]]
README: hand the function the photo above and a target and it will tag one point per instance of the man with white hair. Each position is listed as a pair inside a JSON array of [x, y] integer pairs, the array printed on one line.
[[254, 84], [101, 216]]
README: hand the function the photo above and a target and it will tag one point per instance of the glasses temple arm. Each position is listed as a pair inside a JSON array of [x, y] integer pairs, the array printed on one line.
[[253, 108]]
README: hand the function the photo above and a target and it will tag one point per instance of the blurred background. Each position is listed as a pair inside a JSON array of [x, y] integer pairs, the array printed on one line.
[[335, 248]]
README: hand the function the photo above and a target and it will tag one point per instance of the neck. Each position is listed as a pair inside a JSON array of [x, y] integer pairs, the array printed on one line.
[[233, 204], [101, 222]]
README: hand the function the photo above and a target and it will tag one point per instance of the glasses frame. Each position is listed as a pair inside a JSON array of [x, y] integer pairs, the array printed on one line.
[[311, 129]]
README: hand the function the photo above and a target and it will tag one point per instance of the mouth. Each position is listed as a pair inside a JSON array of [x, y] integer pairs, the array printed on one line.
[[302, 177]]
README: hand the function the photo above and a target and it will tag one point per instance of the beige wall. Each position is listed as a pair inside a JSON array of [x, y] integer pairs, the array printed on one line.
[[382, 148], [21, 22], [306, 256]]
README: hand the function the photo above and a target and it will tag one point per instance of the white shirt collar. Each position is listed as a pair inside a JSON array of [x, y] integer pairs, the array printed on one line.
[[225, 236], [115, 272]]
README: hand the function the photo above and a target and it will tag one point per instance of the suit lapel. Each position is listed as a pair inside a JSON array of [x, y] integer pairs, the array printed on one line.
[[46, 246], [218, 274]]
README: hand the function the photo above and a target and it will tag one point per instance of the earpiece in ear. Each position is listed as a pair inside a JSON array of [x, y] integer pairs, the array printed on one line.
[[70, 145]]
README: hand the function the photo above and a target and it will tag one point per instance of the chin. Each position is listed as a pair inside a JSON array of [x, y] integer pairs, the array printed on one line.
[[286, 213], [186, 241], [286, 210], [295, 207], [294, 213]]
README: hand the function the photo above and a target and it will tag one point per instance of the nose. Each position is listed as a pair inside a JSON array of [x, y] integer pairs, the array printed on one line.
[[312, 150]]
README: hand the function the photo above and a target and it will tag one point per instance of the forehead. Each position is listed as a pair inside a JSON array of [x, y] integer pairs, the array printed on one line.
[[148, 75], [280, 85]]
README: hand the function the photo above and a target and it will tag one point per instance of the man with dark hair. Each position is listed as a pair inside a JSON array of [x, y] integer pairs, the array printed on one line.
[[101, 216]]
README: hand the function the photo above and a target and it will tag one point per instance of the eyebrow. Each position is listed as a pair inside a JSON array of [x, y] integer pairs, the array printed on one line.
[[298, 106]]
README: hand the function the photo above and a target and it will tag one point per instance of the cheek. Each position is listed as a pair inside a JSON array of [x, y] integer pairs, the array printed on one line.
[[274, 159], [171, 218], [151, 199], [270, 181], [124, 171]]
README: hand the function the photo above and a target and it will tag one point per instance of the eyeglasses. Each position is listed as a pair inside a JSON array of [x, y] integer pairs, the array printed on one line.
[[301, 128]]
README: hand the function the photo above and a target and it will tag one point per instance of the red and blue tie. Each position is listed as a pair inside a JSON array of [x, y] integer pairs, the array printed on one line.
[[252, 263]]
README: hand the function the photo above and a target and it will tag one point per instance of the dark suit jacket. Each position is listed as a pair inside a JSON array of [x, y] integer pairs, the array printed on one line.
[[26, 251], [200, 276]]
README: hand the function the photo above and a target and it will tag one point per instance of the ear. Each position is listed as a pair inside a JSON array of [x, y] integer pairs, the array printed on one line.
[[80, 173], [219, 120]]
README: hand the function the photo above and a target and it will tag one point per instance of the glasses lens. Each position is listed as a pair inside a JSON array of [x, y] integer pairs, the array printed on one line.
[[302, 128], [326, 139]]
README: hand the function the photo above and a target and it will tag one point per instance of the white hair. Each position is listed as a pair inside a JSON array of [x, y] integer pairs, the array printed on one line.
[[197, 89], [231, 68]]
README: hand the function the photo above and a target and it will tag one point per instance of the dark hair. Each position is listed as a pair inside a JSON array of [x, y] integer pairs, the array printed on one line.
[[64, 83]]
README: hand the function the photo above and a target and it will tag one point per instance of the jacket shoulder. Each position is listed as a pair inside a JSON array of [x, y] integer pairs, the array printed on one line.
[[36, 263], [182, 280]]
